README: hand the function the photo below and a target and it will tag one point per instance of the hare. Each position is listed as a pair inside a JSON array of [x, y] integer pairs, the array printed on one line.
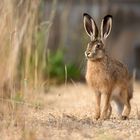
[[108, 77]]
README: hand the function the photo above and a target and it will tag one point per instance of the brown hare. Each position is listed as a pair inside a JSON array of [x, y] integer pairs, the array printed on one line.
[[108, 77]]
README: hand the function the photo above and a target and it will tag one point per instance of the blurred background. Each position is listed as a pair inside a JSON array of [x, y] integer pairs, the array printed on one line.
[[42, 42]]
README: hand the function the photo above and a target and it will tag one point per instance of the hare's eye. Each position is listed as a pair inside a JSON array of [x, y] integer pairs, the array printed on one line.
[[98, 46]]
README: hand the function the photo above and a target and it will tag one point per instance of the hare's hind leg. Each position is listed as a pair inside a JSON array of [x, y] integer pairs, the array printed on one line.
[[127, 105]]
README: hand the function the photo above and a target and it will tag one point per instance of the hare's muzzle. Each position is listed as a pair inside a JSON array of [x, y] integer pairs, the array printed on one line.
[[87, 54], [95, 54]]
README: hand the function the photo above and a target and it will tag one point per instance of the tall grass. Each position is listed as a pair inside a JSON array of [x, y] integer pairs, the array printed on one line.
[[26, 62], [19, 44]]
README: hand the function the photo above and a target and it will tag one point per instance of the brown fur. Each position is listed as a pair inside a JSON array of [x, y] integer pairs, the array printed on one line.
[[107, 77], [104, 76]]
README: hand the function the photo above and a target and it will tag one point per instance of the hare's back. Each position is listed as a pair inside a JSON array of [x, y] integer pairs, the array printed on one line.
[[119, 71]]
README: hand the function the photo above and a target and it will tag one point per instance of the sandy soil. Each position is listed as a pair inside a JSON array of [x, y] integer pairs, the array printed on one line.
[[65, 113]]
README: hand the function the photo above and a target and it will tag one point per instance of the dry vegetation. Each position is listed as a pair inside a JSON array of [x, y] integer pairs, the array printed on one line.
[[64, 112], [31, 111], [18, 26]]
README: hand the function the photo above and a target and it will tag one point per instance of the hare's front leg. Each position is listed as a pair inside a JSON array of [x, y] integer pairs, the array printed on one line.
[[109, 111], [97, 105], [106, 107]]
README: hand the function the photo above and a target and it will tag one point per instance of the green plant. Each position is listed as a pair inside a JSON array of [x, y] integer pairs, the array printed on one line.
[[57, 70]]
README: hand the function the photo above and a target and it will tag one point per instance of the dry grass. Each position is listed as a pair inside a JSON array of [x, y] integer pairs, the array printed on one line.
[[18, 26], [63, 112]]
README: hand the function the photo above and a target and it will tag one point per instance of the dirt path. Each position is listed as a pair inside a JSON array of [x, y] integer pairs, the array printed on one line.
[[66, 113]]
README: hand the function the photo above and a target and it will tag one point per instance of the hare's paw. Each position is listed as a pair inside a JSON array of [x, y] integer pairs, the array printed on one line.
[[124, 117], [104, 117], [96, 116]]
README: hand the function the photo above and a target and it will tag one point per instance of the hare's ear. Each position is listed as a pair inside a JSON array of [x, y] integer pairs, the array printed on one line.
[[90, 26], [106, 26]]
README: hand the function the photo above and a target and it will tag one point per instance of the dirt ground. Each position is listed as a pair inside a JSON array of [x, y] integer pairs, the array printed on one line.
[[65, 113]]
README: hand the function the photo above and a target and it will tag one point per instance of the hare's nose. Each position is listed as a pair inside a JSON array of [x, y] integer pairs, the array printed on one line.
[[88, 53]]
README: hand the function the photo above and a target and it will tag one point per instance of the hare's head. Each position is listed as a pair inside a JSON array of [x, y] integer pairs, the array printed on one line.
[[95, 48]]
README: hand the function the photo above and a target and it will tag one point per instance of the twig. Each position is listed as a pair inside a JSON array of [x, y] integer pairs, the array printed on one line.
[[17, 102]]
